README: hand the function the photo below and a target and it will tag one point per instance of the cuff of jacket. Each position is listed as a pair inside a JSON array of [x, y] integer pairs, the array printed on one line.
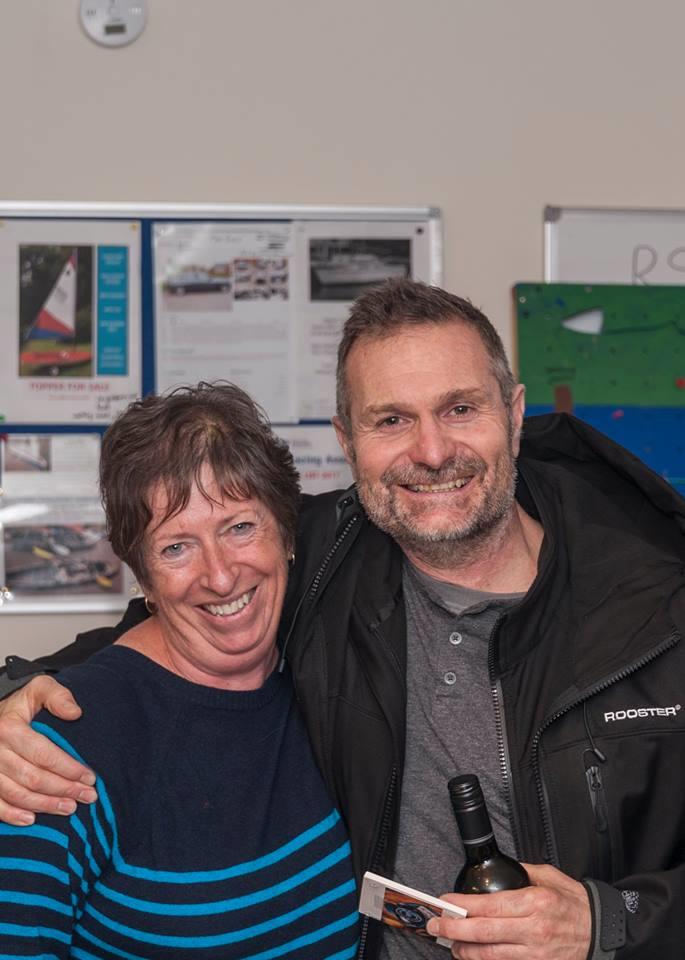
[[17, 674], [608, 919]]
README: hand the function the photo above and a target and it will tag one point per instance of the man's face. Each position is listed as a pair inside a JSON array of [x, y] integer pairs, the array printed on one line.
[[431, 443]]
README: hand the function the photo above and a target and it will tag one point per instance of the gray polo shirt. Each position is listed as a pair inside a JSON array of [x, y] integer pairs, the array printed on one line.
[[450, 730]]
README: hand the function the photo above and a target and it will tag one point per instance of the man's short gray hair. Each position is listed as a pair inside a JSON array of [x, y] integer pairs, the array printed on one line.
[[396, 304]]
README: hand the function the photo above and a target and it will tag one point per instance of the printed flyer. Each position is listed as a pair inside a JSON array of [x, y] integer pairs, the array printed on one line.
[[70, 310]]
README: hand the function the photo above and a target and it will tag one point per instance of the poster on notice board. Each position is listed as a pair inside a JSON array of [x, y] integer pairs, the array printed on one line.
[[70, 312], [263, 304], [54, 551]]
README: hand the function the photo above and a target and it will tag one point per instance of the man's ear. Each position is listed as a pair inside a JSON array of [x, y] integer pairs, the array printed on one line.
[[518, 409], [343, 439]]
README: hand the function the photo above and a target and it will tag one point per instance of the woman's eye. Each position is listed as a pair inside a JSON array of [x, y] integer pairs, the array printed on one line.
[[173, 550], [243, 527]]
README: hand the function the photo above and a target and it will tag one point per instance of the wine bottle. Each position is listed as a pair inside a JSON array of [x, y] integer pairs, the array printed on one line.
[[487, 869]]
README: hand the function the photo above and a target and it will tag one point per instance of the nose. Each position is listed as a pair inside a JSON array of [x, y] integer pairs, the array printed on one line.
[[431, 445], [220, 572]]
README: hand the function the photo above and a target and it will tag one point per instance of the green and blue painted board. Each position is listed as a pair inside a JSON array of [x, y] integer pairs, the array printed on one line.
[[613, 355]]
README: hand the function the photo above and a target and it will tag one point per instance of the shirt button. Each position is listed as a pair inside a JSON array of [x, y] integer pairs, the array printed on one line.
[[455, 638], [450, 678]]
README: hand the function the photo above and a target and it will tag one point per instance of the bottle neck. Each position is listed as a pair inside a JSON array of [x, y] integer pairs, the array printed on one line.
[[478, 852], [474, 826]]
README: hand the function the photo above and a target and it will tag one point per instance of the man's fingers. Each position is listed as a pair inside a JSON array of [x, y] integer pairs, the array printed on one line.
[[60, 702], [15, 816], [31, 698], [37, 777], [19, 742], [18, 799], [19, 774], [516, 903], [548, 921]]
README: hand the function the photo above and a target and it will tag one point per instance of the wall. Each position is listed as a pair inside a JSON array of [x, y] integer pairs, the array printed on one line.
[[488, 110]]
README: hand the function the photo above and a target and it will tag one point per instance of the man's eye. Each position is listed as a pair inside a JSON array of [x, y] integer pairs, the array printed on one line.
[[389, 421], [461, 409]]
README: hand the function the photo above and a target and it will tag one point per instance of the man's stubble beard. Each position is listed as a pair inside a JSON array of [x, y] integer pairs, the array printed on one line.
[[457, 541]]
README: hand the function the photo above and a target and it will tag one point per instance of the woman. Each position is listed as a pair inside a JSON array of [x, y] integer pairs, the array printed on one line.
[[212, 835]]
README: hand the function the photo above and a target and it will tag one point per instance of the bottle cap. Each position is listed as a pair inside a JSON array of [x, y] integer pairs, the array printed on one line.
[[465, 792]]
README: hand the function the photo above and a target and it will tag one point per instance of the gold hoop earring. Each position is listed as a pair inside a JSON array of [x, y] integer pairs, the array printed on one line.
[[151, 607]]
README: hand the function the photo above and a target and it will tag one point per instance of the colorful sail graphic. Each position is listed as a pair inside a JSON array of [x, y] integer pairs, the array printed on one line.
[[57, 317]]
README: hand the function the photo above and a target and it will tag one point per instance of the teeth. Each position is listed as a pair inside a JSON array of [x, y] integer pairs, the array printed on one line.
[[439, 487], [226, 609]]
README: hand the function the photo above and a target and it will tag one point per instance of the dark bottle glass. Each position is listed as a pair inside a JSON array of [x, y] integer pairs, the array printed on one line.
[[487, 869]]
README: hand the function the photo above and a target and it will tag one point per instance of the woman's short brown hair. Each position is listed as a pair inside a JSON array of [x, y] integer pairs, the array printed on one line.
[[169, 439]]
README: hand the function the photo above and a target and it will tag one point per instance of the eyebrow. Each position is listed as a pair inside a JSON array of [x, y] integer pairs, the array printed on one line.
[[179, 534], [450, 398]]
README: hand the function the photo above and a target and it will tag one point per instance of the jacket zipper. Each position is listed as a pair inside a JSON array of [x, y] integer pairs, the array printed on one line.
[[543, 797], [593, 776], [376, 859], [502, 744], [318, 577], [313, 588]]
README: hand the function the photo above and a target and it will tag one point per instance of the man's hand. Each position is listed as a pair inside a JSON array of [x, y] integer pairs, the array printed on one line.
[[35, 775], [550, 920]]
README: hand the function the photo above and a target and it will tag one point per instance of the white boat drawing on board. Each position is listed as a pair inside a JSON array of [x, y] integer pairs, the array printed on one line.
[[56, 323], [352, 268]]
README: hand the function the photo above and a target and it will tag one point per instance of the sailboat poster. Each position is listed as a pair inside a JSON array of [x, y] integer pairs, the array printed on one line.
[[70, 313], [56, 311], [613, 355]]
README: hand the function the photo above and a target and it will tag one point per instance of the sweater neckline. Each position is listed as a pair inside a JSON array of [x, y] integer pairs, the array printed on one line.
[[182, 689]]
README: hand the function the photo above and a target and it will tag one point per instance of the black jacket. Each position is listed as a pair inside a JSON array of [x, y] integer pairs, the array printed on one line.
[[587, 677]]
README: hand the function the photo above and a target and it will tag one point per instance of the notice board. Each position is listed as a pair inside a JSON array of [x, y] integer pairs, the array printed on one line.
[[103, 303]]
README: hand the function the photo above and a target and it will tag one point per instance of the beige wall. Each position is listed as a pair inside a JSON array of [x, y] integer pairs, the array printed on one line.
[[488, 110]]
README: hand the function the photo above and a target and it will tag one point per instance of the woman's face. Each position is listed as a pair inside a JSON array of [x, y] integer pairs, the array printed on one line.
[[217, 572]]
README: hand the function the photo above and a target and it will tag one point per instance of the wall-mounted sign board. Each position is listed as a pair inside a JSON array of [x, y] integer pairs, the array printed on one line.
[[604, 245], [102, 303]]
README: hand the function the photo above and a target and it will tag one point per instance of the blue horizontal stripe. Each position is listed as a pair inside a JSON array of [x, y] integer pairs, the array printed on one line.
[[189, 876], [284, 948], [343, 954], [36, 831], [87, 935], [33, 866], [15, 930], [307, 940], [31, 956], [221, 939], [234, 903], [238, 870], [35, 900]]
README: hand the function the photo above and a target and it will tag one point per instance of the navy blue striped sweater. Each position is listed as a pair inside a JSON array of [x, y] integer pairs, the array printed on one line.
[[213, 835]]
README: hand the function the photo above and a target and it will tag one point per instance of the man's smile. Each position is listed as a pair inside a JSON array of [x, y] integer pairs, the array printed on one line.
[[438, 487]]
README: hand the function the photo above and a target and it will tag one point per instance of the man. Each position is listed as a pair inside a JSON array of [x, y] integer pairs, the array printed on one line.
[[515, 605]]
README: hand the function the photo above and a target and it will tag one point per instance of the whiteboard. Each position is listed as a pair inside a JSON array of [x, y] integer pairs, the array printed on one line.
[[603, 245]]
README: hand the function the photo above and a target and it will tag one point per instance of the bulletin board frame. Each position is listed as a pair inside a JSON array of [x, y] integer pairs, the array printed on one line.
[[134, 323], [632, 245]]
